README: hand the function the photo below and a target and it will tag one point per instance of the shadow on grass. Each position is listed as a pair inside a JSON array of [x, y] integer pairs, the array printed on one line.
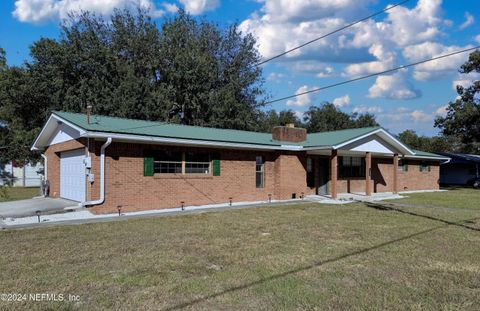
[[318, 264], [384, 207]]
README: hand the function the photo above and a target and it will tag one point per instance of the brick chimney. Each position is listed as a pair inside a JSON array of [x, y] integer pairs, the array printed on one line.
[[289, 133]]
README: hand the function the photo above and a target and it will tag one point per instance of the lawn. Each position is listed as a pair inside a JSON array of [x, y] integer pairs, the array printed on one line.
[[302, 256], [19, 193]]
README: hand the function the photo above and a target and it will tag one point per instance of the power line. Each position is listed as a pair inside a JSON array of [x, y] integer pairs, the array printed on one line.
[[331, 33], [373, 74]]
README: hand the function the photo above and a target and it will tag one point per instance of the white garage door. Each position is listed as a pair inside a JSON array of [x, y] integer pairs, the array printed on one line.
[[72, 175]]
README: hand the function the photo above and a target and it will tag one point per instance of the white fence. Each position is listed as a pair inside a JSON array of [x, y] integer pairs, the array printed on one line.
[[20, 176]]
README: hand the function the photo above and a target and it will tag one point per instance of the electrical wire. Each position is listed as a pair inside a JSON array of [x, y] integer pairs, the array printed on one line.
[[331, 33], [373, 74]]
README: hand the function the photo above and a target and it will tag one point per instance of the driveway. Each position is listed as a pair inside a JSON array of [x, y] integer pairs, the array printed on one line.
[[24, 208]]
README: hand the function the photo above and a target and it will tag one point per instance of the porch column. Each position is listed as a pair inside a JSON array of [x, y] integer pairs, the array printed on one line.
[[333, 174], [395, 173], [368, 170]]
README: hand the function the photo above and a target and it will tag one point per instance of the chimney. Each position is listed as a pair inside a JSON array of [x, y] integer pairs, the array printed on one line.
[[89, 110], [289, 133]]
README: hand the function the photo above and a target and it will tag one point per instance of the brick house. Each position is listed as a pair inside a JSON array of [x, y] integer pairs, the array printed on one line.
[[104, 162]]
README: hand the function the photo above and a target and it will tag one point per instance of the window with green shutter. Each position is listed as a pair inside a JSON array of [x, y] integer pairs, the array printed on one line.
[[216, 167], [148, 166], [216, 164]]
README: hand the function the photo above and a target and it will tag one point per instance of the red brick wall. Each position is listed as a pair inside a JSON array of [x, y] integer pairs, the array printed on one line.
[[285, 173], [53, 158]]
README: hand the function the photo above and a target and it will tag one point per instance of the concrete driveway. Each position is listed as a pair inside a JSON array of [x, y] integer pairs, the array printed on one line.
[[24, 208]]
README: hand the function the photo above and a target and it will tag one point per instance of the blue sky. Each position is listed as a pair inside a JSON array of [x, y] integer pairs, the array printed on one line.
[[417, 30]]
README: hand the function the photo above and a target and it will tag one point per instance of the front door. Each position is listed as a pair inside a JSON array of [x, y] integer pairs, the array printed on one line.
[[323, 169]]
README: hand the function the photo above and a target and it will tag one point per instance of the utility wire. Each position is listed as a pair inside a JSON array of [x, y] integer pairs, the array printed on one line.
[[373, 74], [331, 33]]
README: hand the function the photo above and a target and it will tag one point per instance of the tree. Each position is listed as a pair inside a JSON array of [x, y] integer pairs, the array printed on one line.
[[327, 117], [188, 71], [428, 144], [271, 118], [463, 115], [3, 60]]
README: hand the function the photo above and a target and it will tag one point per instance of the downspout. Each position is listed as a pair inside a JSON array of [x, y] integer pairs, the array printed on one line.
[[102, 176]]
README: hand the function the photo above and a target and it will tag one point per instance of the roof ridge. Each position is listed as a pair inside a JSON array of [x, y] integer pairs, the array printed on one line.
[[161, 123]]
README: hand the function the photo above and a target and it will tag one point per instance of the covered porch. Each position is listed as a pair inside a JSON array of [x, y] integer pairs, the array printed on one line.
[[363, 166]]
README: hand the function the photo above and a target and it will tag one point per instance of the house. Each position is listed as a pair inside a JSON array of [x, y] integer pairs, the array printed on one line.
[[104, 162], [461, 170], [20, 175]]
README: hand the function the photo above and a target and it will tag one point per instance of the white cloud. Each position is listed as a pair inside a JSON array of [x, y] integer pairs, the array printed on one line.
[[197, 7], [441, 111], [469, 20], [438, 68], [395, 86], [365, 109], [420, 116], [465, 80], [299, 114], [38, 11], [302, 100], [276, 77], [340, 102]]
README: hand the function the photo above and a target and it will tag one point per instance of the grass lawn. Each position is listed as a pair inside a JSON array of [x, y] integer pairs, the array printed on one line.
[[291, 257], [464, 198], [20, 193]]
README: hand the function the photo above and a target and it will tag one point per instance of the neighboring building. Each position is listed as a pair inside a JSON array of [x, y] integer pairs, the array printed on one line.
[[144, 165], [461, 170], [16, 175]]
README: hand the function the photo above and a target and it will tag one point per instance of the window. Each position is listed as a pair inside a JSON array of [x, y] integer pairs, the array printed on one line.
[[310, 173], [403, 165], [167, 162], [197, 163], [175, 162], [351, 167], [259, 172], [424, 167]]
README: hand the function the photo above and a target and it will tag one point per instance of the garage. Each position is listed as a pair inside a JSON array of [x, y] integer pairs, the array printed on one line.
[[72, 175]]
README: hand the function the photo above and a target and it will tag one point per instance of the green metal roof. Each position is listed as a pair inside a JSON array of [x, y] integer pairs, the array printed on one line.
[[107, 124], [100, 123], [428, 154]]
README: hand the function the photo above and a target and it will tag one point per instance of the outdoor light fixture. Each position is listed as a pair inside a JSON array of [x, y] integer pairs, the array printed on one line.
[[119, 208], [38, 215]]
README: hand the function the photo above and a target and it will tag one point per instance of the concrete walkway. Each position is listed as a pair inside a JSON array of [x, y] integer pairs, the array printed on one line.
[[24, 208]]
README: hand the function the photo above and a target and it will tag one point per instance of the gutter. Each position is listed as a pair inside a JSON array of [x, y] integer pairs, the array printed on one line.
[[102, 176]]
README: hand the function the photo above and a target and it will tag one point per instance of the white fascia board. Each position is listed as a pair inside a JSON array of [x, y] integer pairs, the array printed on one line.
[[426, 158], [200, 143], [393, 141], [54, 118]]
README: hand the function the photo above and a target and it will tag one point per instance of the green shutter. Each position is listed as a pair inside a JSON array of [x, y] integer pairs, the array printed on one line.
[[148, 166], [429, 169], [216, 165], [405, 167]]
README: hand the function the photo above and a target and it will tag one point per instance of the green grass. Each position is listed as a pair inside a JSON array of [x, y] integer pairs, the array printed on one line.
[[19, 193], [453, 198], [290, 257]]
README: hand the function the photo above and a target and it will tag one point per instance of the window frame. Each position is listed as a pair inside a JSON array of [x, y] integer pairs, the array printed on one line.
[[350, 170], [260, 172], [182, 167]]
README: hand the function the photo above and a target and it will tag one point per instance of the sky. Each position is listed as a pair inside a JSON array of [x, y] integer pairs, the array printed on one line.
[[416, 30]]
